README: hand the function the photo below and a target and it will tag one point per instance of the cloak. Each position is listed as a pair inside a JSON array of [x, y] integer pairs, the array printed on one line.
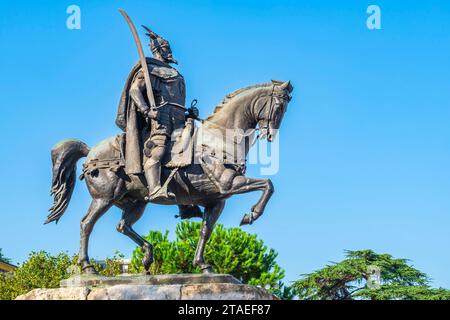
[[131, 121]]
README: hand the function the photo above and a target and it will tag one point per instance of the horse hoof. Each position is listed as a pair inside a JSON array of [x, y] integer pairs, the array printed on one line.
[[207, 269], [89, 270], [246, 220]]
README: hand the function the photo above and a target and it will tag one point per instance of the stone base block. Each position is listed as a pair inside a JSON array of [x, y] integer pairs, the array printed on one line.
[[160, 287]]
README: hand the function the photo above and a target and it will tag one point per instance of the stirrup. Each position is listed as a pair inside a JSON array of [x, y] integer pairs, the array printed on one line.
[[160, 193]]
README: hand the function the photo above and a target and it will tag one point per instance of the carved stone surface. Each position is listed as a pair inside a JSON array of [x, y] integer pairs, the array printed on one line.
[[137, 292], [91, 280], [162, 287], [80, 293], [224, 291]]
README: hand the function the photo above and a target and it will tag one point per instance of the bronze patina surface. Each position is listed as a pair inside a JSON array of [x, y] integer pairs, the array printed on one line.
[[143, 164]]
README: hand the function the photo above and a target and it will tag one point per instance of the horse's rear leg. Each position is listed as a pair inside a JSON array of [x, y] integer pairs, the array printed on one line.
[[130, 215], [212, 213], [97, 208]]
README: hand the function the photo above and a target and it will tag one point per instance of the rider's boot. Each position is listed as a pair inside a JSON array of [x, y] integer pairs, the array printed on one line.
[[156, 191]]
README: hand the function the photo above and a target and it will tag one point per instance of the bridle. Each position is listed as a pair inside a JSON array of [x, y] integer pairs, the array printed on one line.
[[264, 123]]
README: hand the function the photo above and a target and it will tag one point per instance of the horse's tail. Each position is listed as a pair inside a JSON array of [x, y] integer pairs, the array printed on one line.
[[65, 155]]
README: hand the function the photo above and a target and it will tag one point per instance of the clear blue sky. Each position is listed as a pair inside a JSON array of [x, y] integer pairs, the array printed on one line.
[[365, 145]]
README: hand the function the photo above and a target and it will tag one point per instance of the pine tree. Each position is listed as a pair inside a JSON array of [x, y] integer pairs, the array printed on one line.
[[229, 250], [3, 258], [353, 278]]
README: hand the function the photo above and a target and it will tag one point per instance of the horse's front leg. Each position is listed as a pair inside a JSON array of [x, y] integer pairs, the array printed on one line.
[[212, 213], [242, 184]]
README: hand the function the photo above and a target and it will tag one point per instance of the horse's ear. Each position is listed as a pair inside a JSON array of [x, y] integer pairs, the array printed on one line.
[[287, 86], [277, 82]]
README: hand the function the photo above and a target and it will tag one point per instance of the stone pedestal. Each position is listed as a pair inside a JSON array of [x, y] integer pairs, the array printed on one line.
[[159, 287]]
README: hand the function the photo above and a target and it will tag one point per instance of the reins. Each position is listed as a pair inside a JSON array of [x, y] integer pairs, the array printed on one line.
[[266, 123]]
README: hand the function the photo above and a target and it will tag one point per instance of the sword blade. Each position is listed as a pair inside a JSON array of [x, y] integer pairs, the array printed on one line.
[[142, 59]]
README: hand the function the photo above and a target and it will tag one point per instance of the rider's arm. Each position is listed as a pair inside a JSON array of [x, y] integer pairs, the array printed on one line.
[[136, 90]]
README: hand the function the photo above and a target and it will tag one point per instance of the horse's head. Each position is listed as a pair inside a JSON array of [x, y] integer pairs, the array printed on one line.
[[260, 105], [271, 114]]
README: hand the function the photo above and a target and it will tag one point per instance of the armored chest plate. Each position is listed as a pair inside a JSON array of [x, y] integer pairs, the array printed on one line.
[[164, 72]]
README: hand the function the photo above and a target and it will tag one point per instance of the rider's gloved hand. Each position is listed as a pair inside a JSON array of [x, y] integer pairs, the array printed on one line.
[[152, 113]]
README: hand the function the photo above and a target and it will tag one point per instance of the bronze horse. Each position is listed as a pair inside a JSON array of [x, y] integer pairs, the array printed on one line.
[[206, 185]]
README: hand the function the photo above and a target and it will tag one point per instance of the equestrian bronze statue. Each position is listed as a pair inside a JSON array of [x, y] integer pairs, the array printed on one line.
[[163, 158]]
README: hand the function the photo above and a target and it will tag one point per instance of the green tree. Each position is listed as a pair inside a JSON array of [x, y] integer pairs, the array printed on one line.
[[353, 278], [230, 251], [112, 266], [3, 258], [43, 270]]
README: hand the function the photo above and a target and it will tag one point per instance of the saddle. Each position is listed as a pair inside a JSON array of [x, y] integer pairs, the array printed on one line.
[[188, 145], [181, 151]]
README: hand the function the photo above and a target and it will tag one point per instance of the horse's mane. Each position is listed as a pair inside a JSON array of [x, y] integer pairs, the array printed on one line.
[[233, 94]]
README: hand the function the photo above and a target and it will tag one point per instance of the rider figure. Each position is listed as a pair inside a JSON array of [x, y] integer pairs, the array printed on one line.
[[169, 114]]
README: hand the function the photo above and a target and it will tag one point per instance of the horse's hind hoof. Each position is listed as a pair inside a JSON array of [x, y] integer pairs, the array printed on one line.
[[89, 270], [207, 269]]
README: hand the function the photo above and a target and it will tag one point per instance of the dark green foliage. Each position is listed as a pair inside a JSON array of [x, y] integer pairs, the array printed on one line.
[[398, 292], [230, 251], [348, 279], [3, 258], [112, 265], [43, 270]]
